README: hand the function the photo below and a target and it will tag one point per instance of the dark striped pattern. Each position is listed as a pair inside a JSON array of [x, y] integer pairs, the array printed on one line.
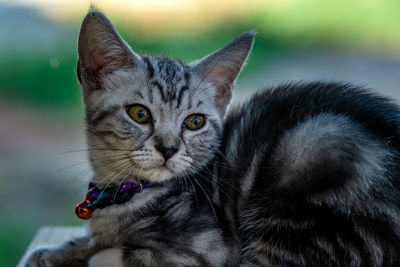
[[327, 190], [305, 175], [150, 68], [168, 75], [161, 90], [97, 118]]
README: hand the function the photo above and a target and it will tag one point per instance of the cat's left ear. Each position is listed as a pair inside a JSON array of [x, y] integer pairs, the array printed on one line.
[[222, 67]]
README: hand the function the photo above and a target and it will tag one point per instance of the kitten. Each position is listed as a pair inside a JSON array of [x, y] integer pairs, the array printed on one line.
[[300, 175], [155, 121]]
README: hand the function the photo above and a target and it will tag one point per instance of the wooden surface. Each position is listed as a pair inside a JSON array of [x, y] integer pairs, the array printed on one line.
[[52, 237]]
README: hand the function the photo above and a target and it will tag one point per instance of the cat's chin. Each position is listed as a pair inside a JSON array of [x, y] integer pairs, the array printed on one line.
[[160, 174], [157, 174]]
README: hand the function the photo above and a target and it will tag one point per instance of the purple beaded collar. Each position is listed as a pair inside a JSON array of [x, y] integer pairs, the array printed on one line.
[[101, 198]]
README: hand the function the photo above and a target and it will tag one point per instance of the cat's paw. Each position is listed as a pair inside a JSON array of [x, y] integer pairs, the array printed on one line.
[[107, 257], [40, 258]]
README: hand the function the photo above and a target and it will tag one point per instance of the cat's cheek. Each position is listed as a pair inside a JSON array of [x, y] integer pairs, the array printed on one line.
[[150, 163], [191, 140], [197, 141], [147, 157], [176, 166]]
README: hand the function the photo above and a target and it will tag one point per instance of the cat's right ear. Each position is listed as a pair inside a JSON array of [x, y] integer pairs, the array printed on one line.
[[101, 51]]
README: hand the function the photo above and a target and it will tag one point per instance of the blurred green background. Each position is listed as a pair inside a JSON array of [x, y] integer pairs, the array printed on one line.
[[43, 163]]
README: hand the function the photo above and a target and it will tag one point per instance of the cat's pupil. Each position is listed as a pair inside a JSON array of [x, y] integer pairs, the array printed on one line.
[[141, 114], [196, 120]]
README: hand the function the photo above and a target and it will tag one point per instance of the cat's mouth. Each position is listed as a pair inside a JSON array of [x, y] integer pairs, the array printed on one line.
[[158, 169], [163, 171]]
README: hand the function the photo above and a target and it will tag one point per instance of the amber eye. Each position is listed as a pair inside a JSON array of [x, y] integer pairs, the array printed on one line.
[[139, 113], [194, 122]]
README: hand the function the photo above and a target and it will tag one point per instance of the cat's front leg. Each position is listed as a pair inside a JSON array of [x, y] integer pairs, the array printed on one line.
[[107, 257], [74, 253]]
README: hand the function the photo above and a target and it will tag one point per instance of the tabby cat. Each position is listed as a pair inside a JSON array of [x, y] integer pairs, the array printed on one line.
[[299, 175]]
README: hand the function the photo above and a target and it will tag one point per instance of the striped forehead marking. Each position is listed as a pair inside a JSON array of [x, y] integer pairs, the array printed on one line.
[[169, 77]]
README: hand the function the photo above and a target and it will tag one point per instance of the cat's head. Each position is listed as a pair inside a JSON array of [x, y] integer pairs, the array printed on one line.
[[151, 117]]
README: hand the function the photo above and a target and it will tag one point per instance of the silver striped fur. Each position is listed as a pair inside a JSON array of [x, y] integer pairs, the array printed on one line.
[[300, 175]]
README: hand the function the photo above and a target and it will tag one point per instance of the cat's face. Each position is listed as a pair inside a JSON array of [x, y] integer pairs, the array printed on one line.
[[152, 118], [147, 118]]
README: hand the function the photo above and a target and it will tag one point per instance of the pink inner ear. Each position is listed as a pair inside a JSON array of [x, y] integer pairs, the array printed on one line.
[[101, 59], [100, 46], [222, 78], [107, 55], [223, 96]]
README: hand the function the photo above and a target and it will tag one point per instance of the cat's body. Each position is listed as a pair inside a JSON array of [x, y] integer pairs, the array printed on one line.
[[300, 175], [318, 166]]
